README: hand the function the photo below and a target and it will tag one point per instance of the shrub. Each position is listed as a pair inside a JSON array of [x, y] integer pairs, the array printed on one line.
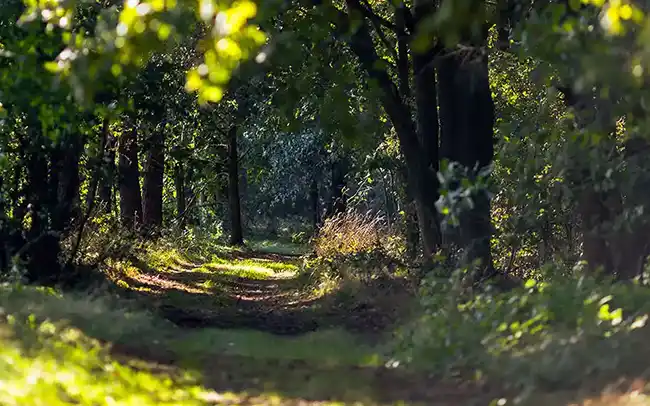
[[543, 334], [102, 238]]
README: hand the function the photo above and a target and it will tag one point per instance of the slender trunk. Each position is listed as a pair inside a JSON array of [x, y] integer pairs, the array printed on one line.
[[410, 220], [18, 188], [388, 202], [129, 179], [313, 200], [179, 184], [273, 220], [427, 129], [337, 202], [190, 216], [107, 166], [4, 229], [152, 187], [236, 232], [68, 198]]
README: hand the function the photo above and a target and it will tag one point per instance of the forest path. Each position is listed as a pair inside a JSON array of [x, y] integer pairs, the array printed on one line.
[[249, 290], [252, 323], [237, 329], [260, 333]]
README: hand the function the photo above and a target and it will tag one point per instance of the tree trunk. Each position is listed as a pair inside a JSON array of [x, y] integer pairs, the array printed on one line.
[[152, 186], [421, 180], [39, 194], [313, 200], [107, 166], [67, 186], [190, 216], [467, 128], [631, 245], [427, 130], [42, 247], [179, 184], [602, 249], [236, 232], [4, 229], [129, 179], [337, 200]]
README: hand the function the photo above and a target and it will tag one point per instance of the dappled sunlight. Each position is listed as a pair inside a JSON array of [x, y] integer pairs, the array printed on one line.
[[43, 363], [165, 283], [621, 392], [248, 271], [134, 359]]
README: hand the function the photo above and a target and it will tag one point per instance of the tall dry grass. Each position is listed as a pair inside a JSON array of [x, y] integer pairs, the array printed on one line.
[[349, 233]]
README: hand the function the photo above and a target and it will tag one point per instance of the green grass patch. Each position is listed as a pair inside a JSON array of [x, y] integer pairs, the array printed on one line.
[[51, 353], [278, 247], [325, 347], [50, 363], [249, 268]]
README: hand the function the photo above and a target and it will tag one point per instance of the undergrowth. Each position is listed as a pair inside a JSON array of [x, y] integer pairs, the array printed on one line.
[[44, 360], [550, 334], [55, 349], [558, 331]]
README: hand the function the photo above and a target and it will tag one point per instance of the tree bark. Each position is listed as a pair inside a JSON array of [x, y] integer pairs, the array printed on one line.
[[236, 232], [426, 101], [337, 199], [616, 251], [129, 179], [68, 198], [403, 66], [152, 186], [179, 184], [313, 200], [107, 166], [467, 129], [42, 248]]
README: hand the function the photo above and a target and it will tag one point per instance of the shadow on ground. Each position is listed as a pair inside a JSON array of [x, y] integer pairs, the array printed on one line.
[[250, 325], [269, 298]]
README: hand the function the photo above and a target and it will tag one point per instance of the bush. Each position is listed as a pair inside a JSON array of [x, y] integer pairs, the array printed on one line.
[[543, 334], [102, 238]]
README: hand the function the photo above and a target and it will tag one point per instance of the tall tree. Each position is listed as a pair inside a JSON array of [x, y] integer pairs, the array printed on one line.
[[467, 128], [421, 177], [107, 166], [234, 198], [152, 186], [129, 178]]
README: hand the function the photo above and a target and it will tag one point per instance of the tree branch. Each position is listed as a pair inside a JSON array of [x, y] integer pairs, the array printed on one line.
[[377, 23], [366, 9]]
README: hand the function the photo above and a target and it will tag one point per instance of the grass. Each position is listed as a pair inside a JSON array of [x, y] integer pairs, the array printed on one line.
[[120, 346], [237, 328], [277, 247], [52, 353], [45, 361]]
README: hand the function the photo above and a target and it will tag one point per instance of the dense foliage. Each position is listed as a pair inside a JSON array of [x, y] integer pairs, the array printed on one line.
[[487, 160]]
